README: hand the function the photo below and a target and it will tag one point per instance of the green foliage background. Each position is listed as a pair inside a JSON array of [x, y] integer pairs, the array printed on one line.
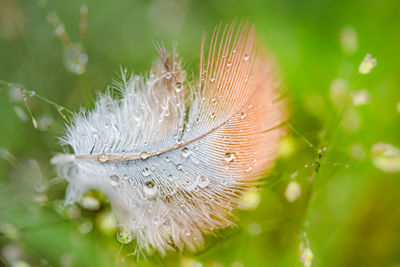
[[349, 209]]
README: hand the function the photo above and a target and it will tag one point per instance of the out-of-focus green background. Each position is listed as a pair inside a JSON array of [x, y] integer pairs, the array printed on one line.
[[348, 212]]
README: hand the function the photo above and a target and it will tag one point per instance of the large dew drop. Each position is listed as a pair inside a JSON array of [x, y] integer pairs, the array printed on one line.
[[150, 189], [229, 157], [185, 152], [124, 236]]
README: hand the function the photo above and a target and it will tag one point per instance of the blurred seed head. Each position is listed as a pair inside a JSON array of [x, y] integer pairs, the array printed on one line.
[[386, 157], [367, 64], [361, 97], [306, 255], [293, 191]]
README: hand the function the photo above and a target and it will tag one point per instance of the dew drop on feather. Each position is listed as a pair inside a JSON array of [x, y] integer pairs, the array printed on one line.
[[146, 172], [144, 155], [178, 87], [103, 158], [150, 189], [203, 181], [114, 180], [185, 152], [229, 157]]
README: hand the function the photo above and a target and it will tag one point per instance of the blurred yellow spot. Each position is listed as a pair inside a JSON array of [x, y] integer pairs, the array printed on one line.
[[361, 97], [357, 152], [107, 223], [349, 40], [314, 104], [254, 229], [286, 147], [250, 200], [367, 64], [306, 257], [9, 231], [351, 120], [90, 203], [386, 157], [338, 92], [190, 262], [293, 191], [398, 107]]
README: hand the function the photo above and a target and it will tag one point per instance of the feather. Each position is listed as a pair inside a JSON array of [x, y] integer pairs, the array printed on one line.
[[174, 156]]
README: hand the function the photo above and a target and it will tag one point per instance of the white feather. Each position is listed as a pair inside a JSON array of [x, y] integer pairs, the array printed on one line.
[[179, 176]]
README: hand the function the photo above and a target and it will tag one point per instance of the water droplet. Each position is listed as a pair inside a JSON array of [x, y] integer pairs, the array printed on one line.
[[229, 157], [229, 63], [214, 101], [168, 75], [212, 79], [178, 87], [243, 115], [249, 169], [144, 155], [190, 186], [103, 158], [185, 152], [125, 176], [146, 172], [246, 57], [114, 180], [150, 189], [167, 159], [179, 167], [203, 181], [213, 115], [124, 236]]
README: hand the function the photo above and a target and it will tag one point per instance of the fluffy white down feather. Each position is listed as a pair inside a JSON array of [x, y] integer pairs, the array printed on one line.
[[202, 135]]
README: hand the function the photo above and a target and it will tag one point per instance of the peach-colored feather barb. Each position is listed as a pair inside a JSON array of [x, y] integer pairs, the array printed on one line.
[[173, 156]]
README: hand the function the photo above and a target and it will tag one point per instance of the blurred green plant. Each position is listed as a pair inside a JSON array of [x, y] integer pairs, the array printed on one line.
[[332, 200]]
